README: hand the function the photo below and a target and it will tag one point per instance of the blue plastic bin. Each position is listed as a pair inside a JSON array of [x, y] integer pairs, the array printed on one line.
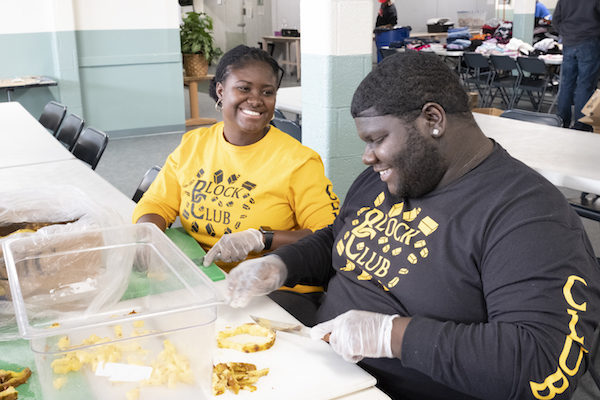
[[383, 37]]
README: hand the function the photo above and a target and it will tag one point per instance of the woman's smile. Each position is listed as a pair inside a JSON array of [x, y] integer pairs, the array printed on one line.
[[248, 100]]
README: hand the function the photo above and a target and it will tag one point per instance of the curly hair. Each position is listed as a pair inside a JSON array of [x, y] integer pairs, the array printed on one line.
[[239, 57], [403, 83]]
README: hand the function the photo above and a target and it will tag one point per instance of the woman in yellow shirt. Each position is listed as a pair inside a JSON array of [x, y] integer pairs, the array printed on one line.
[[241, 186]]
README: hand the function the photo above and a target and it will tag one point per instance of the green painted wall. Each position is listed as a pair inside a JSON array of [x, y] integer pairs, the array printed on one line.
[[132, 80], [328, 84], [29, 54], [124, 82]]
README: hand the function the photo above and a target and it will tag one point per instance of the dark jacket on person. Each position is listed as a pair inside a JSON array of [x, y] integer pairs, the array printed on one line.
[[389, 17], [577, 21]]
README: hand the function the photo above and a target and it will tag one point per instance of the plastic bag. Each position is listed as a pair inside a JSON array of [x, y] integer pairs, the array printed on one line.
[[68, 283]]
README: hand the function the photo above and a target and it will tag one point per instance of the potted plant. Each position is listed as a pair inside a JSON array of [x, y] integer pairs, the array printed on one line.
[[197, 43]]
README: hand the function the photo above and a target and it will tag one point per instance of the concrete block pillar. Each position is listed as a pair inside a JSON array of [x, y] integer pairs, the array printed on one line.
[[66, 55], [523, 20], [336, 45]]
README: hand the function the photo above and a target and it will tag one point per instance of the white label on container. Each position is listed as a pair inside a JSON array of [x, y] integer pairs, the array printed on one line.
[[123, 372], [88, 285]]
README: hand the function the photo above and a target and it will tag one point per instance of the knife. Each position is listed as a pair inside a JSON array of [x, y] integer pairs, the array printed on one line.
[[282, 326]]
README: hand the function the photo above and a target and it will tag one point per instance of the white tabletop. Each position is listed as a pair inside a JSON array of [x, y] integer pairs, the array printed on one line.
[[24, 141], [68, 172], [550, 59], [281, 38], [449, 53], [565, 157], [290, 99], [300, 368]]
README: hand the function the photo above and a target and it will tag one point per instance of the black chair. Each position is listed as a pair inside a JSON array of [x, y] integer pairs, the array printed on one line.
[[530, 116], [386, 52], [505, 77], [147, 180], [90, 145], [52, 116], [279, 114], [290, 127], [478, 73], [70, 131], [535, 80], [271, 47], [587, 206]]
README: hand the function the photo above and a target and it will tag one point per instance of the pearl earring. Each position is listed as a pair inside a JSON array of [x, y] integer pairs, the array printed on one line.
[[435, 132]]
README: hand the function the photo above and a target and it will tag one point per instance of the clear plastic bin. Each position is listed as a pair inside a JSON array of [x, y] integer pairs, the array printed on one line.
[[154, 334], [471, 19]]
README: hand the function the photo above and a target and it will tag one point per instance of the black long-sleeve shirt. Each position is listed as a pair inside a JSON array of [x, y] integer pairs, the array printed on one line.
[[495, 270]]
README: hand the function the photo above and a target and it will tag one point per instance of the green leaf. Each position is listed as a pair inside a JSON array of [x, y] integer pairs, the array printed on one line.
[[196, 36]]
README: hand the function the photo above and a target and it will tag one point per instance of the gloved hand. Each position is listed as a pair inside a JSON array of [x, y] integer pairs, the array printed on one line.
[[358, 334], [235, 246], [256, 277], [142, 259]]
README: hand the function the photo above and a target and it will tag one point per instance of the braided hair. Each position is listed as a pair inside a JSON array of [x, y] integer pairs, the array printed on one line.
[[239, 57], [404, 82]]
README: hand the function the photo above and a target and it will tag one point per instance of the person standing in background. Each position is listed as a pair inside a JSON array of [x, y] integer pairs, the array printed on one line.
[[387, 16], [578, 24], [541, 11]]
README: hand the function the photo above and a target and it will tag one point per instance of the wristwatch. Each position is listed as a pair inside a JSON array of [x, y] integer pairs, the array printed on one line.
[[268, 232]]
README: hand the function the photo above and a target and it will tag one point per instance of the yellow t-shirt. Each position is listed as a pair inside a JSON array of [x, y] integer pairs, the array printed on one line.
[[217, 188]]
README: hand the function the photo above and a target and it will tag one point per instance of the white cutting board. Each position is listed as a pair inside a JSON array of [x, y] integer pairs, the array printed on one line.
[[300, 368]]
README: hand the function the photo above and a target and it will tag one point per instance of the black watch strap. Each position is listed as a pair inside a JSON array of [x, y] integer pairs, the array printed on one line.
[[268, 232]]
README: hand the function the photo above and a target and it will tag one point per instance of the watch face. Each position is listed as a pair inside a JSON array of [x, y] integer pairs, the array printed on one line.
[[266, 229]]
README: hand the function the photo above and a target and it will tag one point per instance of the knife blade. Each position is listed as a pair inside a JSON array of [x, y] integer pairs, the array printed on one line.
[[282, 326]]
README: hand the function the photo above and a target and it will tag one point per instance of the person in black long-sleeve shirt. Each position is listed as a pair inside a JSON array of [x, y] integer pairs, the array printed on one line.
[[453, 271], [387, 16]]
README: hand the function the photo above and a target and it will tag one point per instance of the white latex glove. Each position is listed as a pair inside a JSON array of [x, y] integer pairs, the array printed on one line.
[[256, 277], [235, 246], [143, 258], [358, 334]]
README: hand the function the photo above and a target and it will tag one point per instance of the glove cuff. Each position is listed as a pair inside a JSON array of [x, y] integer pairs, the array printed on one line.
[[259, 245], [388, 325]]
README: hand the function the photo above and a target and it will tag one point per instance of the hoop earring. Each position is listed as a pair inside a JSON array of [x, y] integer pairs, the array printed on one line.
[[435, 132], [219, 105]]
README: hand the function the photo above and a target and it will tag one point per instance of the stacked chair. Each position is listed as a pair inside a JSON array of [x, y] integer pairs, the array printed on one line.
[[70, 130], [90, 146], [52, 116], [87, 144]]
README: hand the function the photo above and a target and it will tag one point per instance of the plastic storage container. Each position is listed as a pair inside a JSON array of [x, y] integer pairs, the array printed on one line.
[[383, 37], [471, 19], [437, 28], [148, 329]]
